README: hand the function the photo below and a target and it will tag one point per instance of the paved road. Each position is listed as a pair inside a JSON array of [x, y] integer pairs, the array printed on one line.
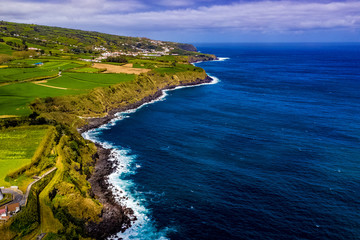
[[24, 200], [17, 194]]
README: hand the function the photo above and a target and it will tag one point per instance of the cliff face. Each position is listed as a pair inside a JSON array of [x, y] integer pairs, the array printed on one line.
[[187, 47], [202, 58]]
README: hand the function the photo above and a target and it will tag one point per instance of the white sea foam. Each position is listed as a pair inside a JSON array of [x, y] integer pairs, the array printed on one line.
[[123, 189], [221, 59]]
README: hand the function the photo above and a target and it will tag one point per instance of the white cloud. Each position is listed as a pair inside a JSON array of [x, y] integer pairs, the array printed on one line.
[[175, 3], [243, 16]]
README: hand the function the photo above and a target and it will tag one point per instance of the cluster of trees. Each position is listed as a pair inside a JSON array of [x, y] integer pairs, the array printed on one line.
[[117, 59], [17, 46], [5, 58]]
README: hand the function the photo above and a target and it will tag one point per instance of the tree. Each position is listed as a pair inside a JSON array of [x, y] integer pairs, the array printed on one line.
[[5, 58], [117, 59]]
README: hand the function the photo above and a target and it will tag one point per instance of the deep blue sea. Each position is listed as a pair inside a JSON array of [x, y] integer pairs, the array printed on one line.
[[271, 151]]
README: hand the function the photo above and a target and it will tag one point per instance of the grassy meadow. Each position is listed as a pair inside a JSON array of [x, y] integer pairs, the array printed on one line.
[[18, 146], [25, 70], [84, 81], [15, 97], [5, 49]]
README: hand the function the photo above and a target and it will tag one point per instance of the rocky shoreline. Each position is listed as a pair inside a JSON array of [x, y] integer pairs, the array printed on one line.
[[115, 218]]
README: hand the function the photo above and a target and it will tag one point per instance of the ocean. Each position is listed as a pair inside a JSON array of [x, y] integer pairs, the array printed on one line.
[[270, 150]]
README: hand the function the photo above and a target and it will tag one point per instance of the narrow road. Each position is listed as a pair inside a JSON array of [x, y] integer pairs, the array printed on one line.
[[17, 194], [24, 200]]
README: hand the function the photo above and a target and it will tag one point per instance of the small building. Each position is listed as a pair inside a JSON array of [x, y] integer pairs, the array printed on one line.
[[13, 208], [39, 64], [1, 195], [9, 210], [2, 212]]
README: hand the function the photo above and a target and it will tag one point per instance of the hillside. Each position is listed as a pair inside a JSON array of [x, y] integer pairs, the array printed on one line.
[[56, 83], [84, 42]]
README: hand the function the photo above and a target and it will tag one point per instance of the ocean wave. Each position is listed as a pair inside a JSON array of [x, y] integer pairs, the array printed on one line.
[[221, 59]]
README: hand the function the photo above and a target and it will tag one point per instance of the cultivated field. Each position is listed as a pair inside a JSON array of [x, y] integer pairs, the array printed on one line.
[[15, 97], [127, 68], [25, 70], [85, 81], [18, 146]]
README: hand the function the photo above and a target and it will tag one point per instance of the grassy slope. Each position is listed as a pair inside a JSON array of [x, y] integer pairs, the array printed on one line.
[[5, 49], [89, 80], [18, 146], [15, 98]]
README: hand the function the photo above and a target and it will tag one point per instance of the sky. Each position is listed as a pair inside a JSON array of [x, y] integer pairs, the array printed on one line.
[[198, 21]]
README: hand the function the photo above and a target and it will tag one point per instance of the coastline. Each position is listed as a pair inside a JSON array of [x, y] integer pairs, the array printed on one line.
[[115, 217], [97, 122]]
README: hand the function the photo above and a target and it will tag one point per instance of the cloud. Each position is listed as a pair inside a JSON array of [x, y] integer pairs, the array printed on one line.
[[258, 16], [176, 3]]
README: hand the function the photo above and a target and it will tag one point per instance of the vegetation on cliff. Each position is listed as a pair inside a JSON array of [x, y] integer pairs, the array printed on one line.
[[54, 90]]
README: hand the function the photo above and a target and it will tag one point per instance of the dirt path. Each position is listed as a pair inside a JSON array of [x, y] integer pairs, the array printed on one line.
[[8, 116], [127, 68], [40, 83]]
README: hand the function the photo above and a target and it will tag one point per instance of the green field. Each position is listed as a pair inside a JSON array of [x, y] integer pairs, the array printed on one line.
[[18, 146], [5, 49], [141, 63], [177, 68], [83, 81], [15, 98], [86, 70], [50, 68]]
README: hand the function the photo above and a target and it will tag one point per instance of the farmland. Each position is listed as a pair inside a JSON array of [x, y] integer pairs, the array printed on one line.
[[18, 146], [84, 81], [25, 70], [15, 97]]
